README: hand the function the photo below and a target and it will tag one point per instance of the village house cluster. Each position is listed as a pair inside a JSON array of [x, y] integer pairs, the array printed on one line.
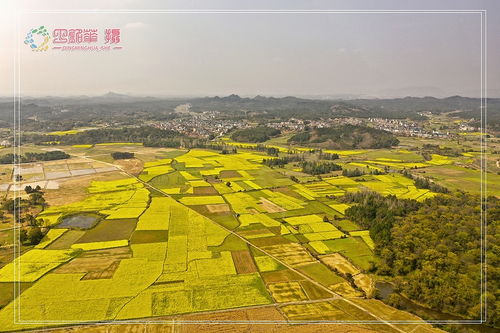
[[204, 124]]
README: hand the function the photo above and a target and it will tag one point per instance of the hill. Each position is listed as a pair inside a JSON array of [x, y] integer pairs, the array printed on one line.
[[255, 134], [345, 137]]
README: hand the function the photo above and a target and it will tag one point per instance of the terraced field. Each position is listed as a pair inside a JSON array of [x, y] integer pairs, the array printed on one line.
[[201, 232]]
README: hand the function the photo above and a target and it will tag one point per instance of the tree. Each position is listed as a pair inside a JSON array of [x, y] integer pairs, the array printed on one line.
[[122, 155], [10, 204], [23, 235], [36, 198], [395, 300], [30, 219], [28, 189], [281, 161], [34, 235], [352, 173]]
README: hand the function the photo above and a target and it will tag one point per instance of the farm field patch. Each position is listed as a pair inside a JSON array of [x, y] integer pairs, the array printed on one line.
[[353, 248], [50, 237], [34, 264]]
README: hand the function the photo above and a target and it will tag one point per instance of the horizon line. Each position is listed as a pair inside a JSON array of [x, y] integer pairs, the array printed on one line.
[[341, 96]]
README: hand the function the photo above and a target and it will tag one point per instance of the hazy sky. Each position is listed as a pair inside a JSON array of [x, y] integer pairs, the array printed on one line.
[[263, 53]]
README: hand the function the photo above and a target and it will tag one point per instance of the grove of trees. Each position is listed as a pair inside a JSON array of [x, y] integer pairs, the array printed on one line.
[[254, 134], [432, 250], [33, 157], [318, 168], [346, 137]]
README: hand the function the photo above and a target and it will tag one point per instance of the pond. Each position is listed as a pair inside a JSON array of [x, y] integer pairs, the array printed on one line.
[[80, 221]]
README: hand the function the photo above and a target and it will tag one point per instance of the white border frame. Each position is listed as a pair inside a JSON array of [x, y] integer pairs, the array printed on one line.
[[483, 106]]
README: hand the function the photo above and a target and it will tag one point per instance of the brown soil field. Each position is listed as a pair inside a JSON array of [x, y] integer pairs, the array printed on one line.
[[364, 282], [133, 166], [205, 190], [229, 174], [243, 262], [338, 262], [289, 192], [212, 180], [74, 189], [97, 164], [218, 208], [150, 154], [86, 265], [59, 165], [80, 165], [271, 207], [107, 273], [345, 289]]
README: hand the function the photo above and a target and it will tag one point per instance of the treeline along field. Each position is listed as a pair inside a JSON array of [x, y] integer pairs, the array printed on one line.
[[34, 157]]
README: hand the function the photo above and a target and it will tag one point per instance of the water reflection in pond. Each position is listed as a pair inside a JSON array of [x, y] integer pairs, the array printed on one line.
[[81, 221]]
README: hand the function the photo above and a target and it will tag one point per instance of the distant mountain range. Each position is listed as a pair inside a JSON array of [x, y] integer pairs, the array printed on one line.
[[113, 106], [118, 97]]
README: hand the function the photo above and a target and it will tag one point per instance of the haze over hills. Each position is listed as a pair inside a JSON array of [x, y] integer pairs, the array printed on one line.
[[403, 103], [123, 108], [392, 94], [456, 100]]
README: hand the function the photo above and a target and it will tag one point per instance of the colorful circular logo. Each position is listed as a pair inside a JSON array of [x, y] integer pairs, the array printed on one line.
[[38, 39]]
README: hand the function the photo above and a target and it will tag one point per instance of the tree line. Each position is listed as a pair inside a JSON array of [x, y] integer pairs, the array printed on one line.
[[318, 168], [281, 161], [425, 183], [34, 157]]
